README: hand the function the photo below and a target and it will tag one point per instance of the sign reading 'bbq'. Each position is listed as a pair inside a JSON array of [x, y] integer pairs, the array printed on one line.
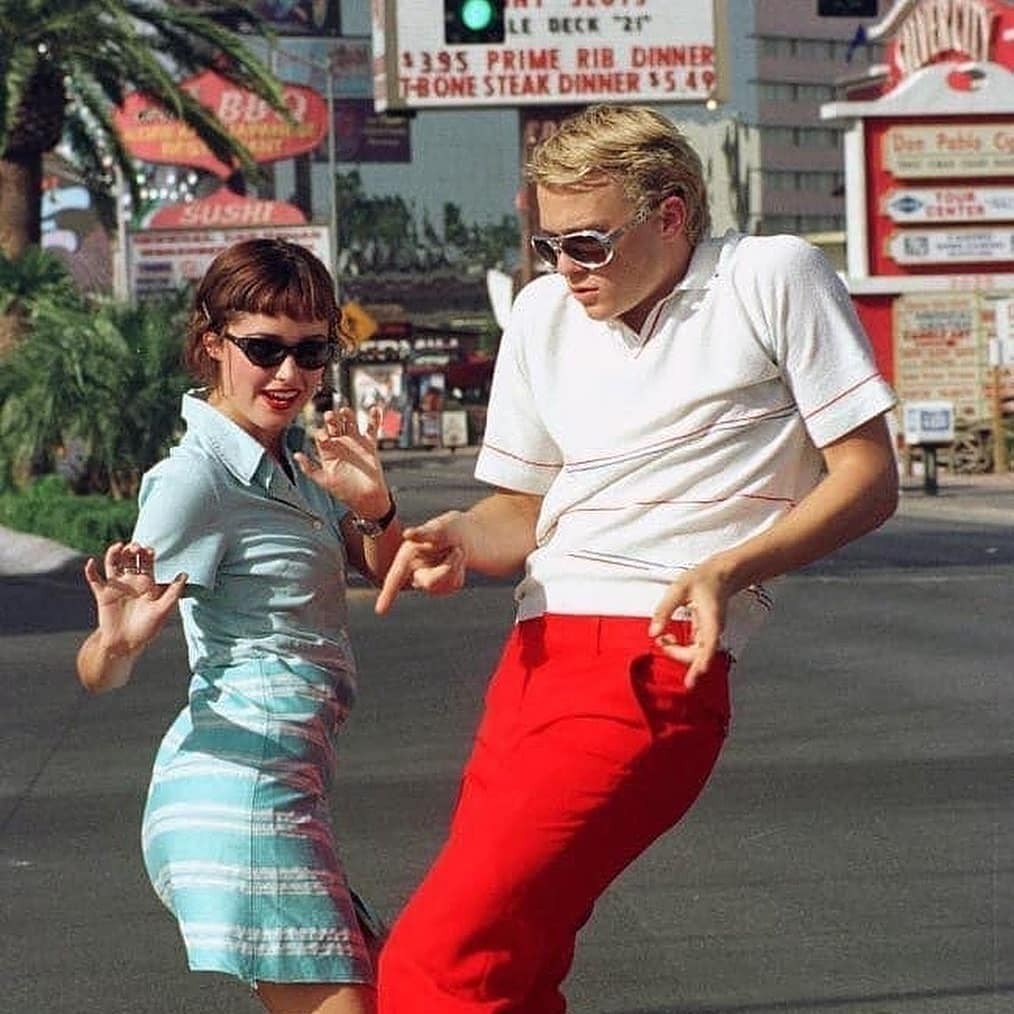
[[152, 135]]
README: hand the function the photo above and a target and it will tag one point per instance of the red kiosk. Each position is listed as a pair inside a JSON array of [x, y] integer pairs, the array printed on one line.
[[929, 174]]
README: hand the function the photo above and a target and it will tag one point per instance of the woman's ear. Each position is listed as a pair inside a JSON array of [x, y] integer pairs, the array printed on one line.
[[212, 344]]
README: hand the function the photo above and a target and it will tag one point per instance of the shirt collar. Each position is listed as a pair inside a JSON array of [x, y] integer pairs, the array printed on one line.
[[705, 262], [239, 452], [703, 269]]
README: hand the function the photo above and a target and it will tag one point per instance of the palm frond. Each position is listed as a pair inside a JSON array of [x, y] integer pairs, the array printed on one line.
[[103, 49]]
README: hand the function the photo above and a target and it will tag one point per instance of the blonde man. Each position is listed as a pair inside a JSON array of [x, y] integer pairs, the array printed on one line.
[[675, 419]]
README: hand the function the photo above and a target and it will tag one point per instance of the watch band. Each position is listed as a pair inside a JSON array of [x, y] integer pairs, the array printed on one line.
[[372, 528]]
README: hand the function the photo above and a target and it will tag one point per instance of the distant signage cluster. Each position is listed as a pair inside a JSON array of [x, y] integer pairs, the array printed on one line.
[[939, 205], [930, 186], [554, 51]]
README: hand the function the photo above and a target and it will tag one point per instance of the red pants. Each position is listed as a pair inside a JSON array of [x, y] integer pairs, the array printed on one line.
[[589, 749]]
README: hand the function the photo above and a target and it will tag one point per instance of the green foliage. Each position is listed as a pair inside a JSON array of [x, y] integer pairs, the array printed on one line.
[[35, 275], [381, 233], [49, 508], [96, 380]]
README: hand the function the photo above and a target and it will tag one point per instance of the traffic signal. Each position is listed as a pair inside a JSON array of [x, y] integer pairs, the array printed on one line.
[[473, 22], [846, 8]]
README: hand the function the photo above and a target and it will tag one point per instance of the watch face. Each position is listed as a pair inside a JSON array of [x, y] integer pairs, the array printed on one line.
[[366, 527]]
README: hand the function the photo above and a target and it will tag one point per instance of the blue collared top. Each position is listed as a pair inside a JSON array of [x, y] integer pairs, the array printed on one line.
[[264, 556]]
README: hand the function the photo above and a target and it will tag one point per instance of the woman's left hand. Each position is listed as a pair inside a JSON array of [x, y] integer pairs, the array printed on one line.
[[348, 464]]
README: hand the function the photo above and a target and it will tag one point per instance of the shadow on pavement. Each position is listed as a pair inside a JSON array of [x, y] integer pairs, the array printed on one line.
[[1003, 989], [924, 545], [46, 603]]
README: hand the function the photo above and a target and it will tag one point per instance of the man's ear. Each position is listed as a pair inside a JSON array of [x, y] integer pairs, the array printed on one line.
[[673, 212]]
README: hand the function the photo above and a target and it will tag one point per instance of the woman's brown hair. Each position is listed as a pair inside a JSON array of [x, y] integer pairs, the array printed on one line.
[[267, 276]]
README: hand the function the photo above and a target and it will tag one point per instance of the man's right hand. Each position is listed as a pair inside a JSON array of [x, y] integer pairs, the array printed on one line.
[[432, 558]]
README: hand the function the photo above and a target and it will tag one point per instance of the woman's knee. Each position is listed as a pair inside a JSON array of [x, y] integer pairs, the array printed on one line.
[[317, 998]]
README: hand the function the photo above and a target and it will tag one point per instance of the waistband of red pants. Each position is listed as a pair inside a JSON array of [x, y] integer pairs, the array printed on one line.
[[631, 630]]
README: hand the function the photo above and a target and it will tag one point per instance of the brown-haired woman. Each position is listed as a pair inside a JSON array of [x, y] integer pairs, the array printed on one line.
[[252, 541]]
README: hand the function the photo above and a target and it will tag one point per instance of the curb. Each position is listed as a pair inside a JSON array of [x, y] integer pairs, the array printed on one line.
[[23, 555]]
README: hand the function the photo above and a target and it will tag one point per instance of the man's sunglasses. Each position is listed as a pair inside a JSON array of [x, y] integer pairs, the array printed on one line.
[[588, 248], [311, 354]]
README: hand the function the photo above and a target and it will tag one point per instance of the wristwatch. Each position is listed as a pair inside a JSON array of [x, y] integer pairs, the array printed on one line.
[[373, 528]]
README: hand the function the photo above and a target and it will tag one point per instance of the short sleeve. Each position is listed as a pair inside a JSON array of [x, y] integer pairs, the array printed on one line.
[[179, 517], [817, 340], [517, 453]]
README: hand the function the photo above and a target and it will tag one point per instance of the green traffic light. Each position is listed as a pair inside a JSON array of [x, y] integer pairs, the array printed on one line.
[[477, 14]]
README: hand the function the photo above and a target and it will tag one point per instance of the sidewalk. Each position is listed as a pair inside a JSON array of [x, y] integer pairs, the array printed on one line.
[[982, 499]]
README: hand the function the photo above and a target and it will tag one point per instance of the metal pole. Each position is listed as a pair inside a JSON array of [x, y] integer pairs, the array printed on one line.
[[1001, 462], [332, 177], [929, 469]]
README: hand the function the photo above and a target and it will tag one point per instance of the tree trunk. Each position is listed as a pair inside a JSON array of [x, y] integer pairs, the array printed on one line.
[[20, 225], [20, 203]]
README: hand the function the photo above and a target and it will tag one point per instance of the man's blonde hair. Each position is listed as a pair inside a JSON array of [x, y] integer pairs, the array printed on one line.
[[634, 146]]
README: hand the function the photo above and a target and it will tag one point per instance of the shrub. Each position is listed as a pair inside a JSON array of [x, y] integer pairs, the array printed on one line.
[[99, 378], [49, 508]]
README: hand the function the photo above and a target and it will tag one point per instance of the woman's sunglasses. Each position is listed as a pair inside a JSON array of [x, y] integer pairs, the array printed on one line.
[[588, 248], [311, 354]]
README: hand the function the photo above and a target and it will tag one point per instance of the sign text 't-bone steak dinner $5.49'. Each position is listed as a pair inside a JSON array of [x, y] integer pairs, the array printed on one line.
[[554, 51]]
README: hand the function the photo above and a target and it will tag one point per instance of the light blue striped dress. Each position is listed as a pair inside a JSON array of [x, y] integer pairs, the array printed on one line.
[[237, 832]]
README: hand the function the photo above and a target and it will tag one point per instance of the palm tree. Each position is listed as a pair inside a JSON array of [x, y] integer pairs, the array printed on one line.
[[64, 66]]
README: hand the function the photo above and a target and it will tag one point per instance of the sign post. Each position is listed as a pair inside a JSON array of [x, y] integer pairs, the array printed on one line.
[[929, 425], [1001, 356]]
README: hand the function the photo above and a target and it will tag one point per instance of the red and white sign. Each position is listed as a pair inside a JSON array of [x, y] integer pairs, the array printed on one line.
[[929, 187], [948, 204], [959, 31], [554, 51], [225, 210], [164, 260], [152, 135]]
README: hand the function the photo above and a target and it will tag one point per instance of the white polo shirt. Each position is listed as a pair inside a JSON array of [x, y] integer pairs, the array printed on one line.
[[654, 451]]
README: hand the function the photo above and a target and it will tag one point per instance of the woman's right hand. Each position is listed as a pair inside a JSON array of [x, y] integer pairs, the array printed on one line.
[[132, 607]]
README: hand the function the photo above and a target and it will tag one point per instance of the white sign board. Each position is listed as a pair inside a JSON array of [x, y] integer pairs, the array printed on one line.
[[554, 52], [936, 205], [929, 246], [1001, 348], [163, 260], [928, 422], [949, 149]]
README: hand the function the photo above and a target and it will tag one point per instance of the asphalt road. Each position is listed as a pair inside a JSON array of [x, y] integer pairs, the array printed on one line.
[[853, 853]]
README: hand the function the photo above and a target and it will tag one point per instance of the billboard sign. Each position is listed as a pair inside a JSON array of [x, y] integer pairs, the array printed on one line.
[[554, 51], [224, 210], [150, 134], [164, 260]]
